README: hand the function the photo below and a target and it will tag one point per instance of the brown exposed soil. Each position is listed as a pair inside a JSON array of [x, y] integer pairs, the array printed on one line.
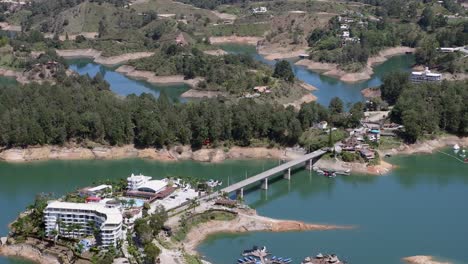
[[423, 260], [248, 222], [150, 77], [98, 58], [371, 92], [194, 93], [235, 39], [76, 152], [333, 70]]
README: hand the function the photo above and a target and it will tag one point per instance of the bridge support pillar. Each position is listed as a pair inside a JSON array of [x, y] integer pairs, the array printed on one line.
[[265, 184], [240, 193], [309, 164], [287, 174]]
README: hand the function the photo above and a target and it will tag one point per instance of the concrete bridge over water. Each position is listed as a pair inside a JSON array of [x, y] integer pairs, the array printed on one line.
[[307, 160]]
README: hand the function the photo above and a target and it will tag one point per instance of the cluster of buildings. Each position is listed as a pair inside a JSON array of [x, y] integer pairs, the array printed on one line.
[[345, 26], [360, 138], [425, 76], [105, 215]]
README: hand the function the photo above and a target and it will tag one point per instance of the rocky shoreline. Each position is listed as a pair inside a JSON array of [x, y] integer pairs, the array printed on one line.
[[333, 70], [235, 39], [179, 153], [26, 251], [248, 222], [427, 146], [150, 77]]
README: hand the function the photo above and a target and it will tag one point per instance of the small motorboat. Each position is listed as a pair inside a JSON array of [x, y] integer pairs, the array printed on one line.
[[456, 147], [240, 260], [273, 258]]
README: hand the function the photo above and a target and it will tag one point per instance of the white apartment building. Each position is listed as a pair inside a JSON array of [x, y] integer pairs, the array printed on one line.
[[59, 215], [135, 181]]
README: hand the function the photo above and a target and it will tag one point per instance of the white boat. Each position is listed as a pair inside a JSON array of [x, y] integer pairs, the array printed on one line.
[[456, 147]]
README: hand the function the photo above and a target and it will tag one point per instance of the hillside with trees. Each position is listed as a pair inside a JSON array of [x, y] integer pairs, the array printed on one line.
[[81, 109], [428, 108]]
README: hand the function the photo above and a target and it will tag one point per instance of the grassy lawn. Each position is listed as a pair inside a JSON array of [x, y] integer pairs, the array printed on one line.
[[190, 259], [389, 142], [198, 219]]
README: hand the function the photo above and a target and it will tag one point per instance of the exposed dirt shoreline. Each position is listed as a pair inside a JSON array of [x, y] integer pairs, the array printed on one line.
[[98, 58], [248, 222], [423, 260], [18, 76], [150, 77], [43, 153], [25, 251], [427, 146], [74, 152], [235, 39], [333, 70], [194, 93]]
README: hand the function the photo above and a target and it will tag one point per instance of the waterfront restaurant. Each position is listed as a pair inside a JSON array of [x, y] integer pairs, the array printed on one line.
[[425, 76]]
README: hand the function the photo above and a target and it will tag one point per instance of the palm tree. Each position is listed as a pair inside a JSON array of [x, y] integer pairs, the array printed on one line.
[[132, 202], [59, 226], [54, 233]]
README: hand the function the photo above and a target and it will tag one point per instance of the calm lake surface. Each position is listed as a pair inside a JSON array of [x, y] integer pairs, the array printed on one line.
[[419, 208], [122, 85]]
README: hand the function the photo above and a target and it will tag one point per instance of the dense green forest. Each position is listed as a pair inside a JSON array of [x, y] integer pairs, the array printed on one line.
[[422, 24], [327, 45], [232, 73], [81, 109], [427, 108]]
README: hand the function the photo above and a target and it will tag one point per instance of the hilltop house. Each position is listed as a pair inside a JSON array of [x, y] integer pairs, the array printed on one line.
[[259, 10]]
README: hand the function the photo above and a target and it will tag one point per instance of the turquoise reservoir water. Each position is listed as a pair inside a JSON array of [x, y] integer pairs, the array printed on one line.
[[122, 85], [419, 208]]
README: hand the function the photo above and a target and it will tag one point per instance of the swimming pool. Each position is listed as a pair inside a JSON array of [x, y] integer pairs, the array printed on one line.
[[138, 202]]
